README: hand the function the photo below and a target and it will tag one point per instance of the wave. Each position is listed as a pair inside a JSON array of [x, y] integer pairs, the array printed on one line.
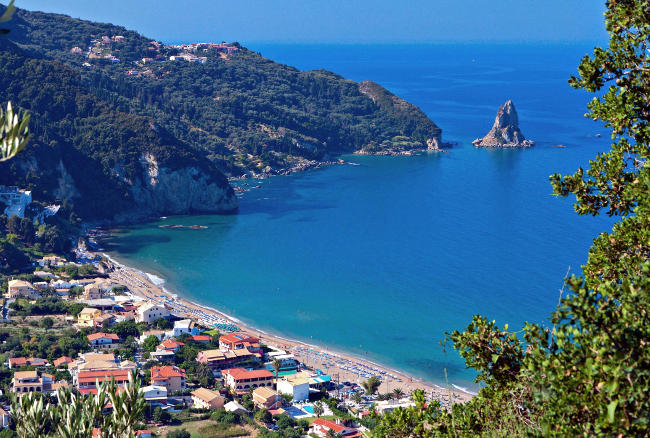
[[155, 279], [460, 388]]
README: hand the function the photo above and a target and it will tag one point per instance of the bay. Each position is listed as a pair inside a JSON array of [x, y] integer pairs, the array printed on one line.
[[381, 259]]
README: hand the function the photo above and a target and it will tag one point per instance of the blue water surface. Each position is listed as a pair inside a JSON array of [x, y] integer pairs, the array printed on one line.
[[383, 258]]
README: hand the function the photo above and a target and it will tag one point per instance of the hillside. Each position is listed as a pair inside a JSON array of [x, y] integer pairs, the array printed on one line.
[[110, 96]]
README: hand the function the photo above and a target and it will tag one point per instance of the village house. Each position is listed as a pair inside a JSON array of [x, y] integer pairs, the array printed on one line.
[[154, 394], [150, 312], [203, 398], [102, 340], [169, 345], [92, 292], [219, 360], [17, 362], [267, 398], [321, 427], [52, 262], [26, 381], [87, 317], [238, 341], [295, 385], [241, 380], [184, 326], [87, 381], [22, 289], [62, 361], [171, 377]]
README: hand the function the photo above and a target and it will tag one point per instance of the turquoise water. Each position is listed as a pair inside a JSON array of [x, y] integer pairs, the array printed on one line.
[[381, 259]]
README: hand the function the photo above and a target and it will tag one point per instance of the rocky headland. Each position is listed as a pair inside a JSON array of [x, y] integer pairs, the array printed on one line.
[[505, 132]]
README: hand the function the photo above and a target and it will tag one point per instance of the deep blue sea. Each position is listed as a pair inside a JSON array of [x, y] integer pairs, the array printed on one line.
[[381, 259]]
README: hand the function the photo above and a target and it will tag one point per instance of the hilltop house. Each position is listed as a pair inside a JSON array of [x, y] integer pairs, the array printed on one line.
[[88, 381], [17, 362], [169, 345], [22, 289], [154, 394]]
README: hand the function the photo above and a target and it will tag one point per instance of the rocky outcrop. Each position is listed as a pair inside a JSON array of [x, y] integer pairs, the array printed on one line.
[[163, 190], [505, 132]]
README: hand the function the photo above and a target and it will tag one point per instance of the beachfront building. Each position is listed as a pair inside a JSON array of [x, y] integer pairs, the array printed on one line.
[[385, 406], [203, 398], [171, 377], [154, 394], [87, 317], [295, 385], [267, 398], [150, 312], [322, 427], [241, 380], [22, 289], [220, 360], [239, 341], [184, 326], [101, 340]]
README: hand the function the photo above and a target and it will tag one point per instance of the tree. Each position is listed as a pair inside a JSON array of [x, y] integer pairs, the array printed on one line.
[[263, 416], [46, 323], [319, 409], [161, 416], [180, 433], [398, 393], [277, 364], [150, 343], [371, 385], [587, 375], [356, 397]]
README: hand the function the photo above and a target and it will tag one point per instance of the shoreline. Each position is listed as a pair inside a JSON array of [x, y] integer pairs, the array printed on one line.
[[339, 365]]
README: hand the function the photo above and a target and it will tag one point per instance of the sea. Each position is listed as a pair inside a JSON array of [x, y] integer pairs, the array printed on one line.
[[381, 259]]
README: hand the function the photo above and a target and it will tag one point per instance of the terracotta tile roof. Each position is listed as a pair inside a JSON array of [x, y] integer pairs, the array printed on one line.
[[338, 428], [241, 373], [91, 376], [166, 372], [201, 338], [17, 361], [170, 344], [63, 360], [101, 335], [238, 338]]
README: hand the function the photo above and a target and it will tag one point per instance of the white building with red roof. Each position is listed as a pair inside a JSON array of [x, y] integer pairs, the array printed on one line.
[[104, 340], [88, 381], [321, 427]]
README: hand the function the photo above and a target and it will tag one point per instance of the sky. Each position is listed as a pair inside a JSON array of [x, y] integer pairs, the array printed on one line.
[[345, 21]]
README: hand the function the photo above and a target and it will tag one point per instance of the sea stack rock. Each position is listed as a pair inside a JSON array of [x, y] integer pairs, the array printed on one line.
[[505, 132]]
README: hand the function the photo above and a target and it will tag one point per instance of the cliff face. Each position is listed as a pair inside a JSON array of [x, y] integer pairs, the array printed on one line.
[[162, 190], [505, 132]]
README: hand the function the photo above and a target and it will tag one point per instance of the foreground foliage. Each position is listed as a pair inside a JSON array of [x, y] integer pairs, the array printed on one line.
[[588, 375], [76, 416]]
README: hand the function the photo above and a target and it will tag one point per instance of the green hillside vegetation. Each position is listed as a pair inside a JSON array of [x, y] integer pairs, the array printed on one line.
[[235, 114]]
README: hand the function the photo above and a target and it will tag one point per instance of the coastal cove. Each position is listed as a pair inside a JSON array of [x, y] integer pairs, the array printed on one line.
[[380, 259]]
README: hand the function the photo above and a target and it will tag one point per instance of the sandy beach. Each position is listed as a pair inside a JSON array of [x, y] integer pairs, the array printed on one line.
[[340, 366]]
